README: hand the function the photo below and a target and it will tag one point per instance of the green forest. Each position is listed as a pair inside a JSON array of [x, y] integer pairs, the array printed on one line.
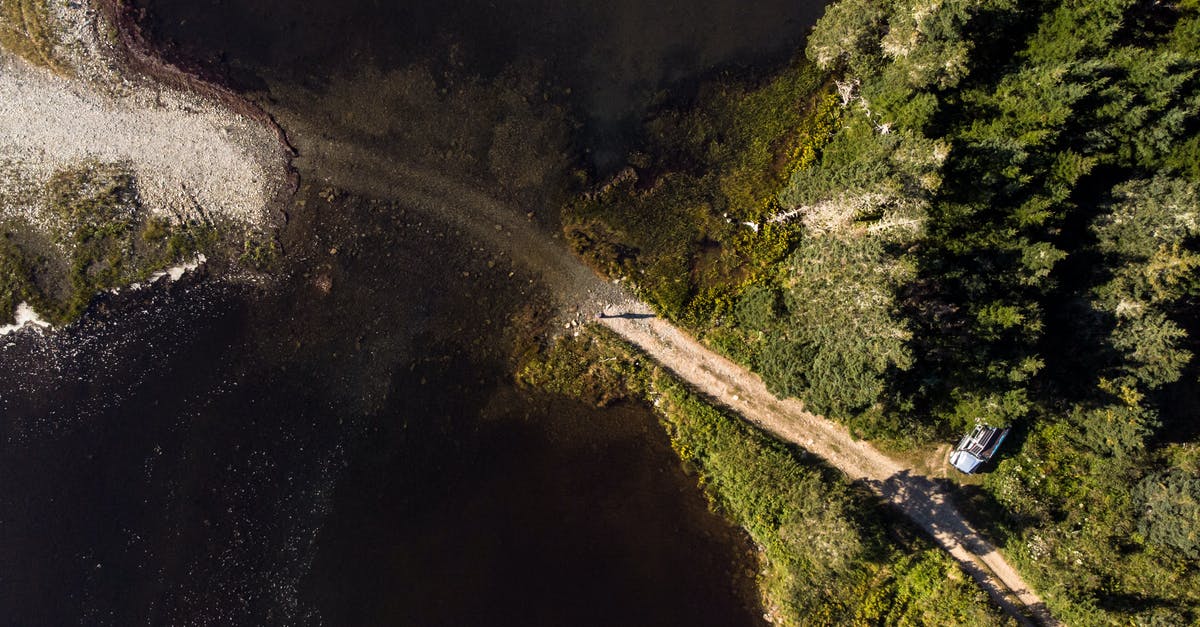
[[951, 213]]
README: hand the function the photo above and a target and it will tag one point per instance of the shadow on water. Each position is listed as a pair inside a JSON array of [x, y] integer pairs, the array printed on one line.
[[348, 447], [612, 59], [471, 502], [544, 512]]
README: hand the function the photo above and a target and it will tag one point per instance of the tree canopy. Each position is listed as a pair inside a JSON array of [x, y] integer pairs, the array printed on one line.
[[977, 211]]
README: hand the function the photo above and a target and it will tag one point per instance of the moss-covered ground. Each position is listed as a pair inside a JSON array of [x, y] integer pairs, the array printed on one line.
[[95, 236]]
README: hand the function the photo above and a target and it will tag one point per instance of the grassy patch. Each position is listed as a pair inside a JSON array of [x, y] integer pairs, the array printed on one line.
[[26, 29], [1002, 228], [95, 219], [832, 554], [259, 252], [807, 301], [1103, 536]]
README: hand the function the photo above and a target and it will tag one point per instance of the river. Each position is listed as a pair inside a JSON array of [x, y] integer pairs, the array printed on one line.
[[346, 445]]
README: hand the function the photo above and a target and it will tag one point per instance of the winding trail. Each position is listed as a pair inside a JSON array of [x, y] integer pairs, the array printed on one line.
[[505, 227], [47, 121], [923, 499]]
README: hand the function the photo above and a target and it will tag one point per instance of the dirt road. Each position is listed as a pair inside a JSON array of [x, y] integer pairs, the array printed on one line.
[[459, 202], [383, 171], [921, 498], [187, 153]]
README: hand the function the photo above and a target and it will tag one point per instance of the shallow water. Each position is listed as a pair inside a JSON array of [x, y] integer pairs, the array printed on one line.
[[613, 59], [215, 452]]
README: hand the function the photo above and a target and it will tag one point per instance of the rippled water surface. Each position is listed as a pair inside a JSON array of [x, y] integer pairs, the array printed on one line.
[[223, 452]]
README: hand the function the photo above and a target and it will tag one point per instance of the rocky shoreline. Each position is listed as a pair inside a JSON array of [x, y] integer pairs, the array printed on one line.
[[115, 164], [111, 72], [140, 58]]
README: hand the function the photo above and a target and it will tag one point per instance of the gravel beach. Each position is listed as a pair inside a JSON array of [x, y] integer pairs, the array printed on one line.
[[191, 157]]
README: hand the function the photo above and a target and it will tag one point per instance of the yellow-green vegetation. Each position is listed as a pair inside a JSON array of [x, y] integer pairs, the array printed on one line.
[[830, 553], [98, 238], [259, 252], [16, 273], [771, 224], [1127, 543], [26, 29], [825, 329], [676, 228]]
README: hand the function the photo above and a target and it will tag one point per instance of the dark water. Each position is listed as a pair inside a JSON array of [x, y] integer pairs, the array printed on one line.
[[211, 452], [613, 58], [208, 453]]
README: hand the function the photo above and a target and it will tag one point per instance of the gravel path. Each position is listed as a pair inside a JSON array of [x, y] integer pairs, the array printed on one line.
[[921, 498], [189, 154], [506, 227]]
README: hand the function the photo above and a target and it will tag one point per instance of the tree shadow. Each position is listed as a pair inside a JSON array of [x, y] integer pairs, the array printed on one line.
[[626, 316], [1132, 603]]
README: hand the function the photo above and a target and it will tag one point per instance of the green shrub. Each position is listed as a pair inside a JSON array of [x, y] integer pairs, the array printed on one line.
[[680, 236], [1169, 505]]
